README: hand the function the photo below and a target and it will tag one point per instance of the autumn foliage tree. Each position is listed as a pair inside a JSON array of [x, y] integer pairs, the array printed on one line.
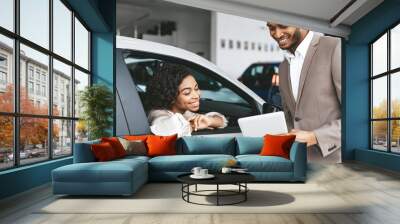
[[380, 127], [6, 122], [33, 131]]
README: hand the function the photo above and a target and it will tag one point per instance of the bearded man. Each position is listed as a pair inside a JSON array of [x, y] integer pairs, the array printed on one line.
[[310, 87]]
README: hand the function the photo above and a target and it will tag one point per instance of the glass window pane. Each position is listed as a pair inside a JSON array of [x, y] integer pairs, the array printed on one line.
[[395, 47], [379, 98], [379, 55], [34, 16], [34, 72], [214, 90], [395, 94], [379, 135], [7, 14], [62, 138], [81, 81], [6, 74], [6, 142], [81, 45], [81, 131], [62, 29], [62, 89], [395, 138], [33, 139]]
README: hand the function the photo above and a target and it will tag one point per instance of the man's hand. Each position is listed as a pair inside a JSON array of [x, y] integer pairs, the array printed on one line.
[[305, 136]]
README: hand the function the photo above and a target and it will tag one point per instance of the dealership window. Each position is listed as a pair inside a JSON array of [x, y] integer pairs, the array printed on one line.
[[230, 44], [223, 43], [3, 78], [30, 87], [238, 45], [34, 53], [385, 94], [246, 45]]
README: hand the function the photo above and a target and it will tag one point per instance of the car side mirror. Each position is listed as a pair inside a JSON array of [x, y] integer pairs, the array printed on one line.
[[267, 108]]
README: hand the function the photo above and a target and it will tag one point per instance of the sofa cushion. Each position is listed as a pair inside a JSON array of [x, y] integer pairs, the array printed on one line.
[[161, 145], [257, 163], [132, 158], [249, 145], [116, 145], [111, 171], [277, 145], [136, 137], [134, 147], [103, 152], [185, 163], [197, 145]]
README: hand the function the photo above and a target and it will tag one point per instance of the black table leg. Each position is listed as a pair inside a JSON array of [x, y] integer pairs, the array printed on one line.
[[182, 190], [217, 194], [188, 189], [245, 193]]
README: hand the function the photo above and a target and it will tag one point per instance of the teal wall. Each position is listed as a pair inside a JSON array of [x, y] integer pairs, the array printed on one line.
[[99, 16], [103, 51], [24, 178], [356, 107]]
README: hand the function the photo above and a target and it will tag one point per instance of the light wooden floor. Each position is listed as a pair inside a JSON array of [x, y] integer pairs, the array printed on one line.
[[351, 181]]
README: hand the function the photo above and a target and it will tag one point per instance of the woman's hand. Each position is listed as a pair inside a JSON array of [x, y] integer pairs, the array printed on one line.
[[199, 122]]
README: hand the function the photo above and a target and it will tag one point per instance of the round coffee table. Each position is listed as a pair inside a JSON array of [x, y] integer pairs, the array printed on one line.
[[238, 179]]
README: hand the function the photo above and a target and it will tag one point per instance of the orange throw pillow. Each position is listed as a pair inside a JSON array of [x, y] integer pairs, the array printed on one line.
[[103, 151], [277, 145], [136, 137], [161, 145], [116, 145]]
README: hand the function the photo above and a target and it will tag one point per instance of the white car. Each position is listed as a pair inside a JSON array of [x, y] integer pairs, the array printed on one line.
[[136, 62]]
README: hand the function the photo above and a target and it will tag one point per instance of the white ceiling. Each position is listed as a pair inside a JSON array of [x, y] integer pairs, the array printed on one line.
[[142, 12], [322, 9], [318, 15]]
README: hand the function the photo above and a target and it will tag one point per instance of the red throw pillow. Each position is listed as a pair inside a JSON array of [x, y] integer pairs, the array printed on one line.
[[161, 145], [277, 145], [136, 137], [116, 145], [103, 151]]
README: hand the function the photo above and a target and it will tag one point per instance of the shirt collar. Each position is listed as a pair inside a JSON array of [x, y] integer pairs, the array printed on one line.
[[302, 48]]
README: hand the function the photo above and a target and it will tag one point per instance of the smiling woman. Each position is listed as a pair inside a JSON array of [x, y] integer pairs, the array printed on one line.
[[174, 97]]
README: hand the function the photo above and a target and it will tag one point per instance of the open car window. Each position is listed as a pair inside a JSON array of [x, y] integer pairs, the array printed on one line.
[[217, 94]]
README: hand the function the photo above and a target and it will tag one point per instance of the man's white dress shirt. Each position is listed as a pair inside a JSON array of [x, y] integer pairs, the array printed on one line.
[[296, 61]]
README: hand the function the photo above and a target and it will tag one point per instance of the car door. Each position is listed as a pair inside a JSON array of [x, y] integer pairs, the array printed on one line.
[[217, 93]]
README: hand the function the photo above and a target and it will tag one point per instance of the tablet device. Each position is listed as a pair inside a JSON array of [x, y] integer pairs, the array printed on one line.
[[259, 125]]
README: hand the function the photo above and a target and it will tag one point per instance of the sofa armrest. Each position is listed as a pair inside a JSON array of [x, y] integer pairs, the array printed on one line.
[[83, 152], [298, 155]]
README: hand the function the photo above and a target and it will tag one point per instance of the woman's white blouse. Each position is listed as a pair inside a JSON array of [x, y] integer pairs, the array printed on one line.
[[166, 122]]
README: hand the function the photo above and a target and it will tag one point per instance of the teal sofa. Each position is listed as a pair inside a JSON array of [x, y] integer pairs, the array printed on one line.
[[125, 176]]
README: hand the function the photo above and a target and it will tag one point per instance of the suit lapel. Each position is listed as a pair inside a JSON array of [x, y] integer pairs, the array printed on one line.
[[286, 76], [306, 65]]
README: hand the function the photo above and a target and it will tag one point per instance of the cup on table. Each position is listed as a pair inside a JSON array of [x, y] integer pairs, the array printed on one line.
[[196, 171], [203, 172], [226, 170]]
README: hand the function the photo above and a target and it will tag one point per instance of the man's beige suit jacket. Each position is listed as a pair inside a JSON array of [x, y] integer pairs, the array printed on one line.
[[318, 105]]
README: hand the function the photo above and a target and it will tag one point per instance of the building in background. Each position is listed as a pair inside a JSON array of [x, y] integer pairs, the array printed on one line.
[[233, 43], [34, 82], [239, 42]]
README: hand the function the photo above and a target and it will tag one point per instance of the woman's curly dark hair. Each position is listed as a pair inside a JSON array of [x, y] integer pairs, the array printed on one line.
[[163, 88]]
